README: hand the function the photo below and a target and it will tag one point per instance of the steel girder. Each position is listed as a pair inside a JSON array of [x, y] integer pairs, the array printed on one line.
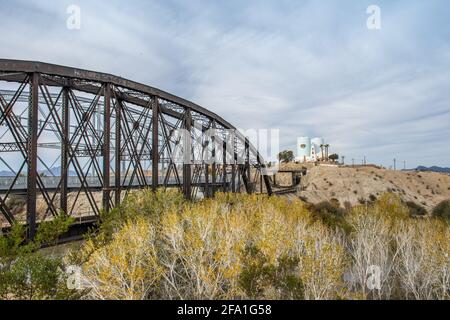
[[109, 136]]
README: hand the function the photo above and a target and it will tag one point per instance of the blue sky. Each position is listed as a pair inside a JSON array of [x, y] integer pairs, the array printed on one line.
[[306, 67]]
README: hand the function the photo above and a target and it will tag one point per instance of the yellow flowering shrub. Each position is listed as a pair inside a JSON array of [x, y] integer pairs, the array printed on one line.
[[127, 267], [238, 246]]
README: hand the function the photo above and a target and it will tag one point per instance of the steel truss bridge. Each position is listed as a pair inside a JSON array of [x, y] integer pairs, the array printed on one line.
[[77, 142]]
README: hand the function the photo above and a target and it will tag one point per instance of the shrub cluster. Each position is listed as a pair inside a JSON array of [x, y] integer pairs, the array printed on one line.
[[256, 247], [442, 210], [27, 274], [230, 247], [156, 245]]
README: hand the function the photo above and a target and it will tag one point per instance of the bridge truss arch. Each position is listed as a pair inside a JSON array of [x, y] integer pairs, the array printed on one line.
[[78, 141]]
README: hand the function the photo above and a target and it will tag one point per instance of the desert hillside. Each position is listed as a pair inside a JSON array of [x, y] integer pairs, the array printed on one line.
[[352, 185]]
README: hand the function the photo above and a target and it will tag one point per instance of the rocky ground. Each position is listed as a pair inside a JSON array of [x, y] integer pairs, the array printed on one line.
[[17, 205], [353, 185]]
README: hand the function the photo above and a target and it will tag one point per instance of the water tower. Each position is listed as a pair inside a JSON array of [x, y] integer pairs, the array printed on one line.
[[303, 149]]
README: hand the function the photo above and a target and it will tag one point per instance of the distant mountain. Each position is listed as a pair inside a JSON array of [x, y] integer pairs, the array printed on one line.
[[7, 174], [433, 169], [56, 171]]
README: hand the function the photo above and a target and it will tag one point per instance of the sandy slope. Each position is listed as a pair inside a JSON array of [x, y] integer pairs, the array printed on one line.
[[352, 184]]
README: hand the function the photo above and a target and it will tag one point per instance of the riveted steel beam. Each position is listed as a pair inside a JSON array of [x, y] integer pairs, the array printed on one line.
[[32, 154], [106, 147], [155, 144], [65, 149], [79, 107]]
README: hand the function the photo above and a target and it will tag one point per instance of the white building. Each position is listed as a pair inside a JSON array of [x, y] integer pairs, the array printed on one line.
[[309, 150], [303, 149]]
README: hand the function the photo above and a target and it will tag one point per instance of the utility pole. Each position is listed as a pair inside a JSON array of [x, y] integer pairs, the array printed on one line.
[[365, 160], [404, 165], [353, 162], [343, 160], [395, 164]]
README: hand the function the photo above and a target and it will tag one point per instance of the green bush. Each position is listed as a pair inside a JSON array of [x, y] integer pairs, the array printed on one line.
[[331, 215], [258, 275], [11, 244], [34, 277], [442, 210], [49, 231], [143, 203], [24, 273], [415, 209]]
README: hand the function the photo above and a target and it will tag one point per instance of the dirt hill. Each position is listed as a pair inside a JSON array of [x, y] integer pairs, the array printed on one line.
[[353, 185]]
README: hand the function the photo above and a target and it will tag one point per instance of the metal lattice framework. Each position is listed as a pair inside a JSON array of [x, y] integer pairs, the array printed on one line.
[[108, 136]]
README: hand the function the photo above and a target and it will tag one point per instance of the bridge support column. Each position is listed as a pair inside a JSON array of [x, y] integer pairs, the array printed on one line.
[[118, 154], [106, 147], [246, 176], [64, 149], [239, 178], [206, 164], [33, 115], [264, 176], [155, 144], [224, 160], [207, 185], [187, 166], [213, 166], [233, 168]]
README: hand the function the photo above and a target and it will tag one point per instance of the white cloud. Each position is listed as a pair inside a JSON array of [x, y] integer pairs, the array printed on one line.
[[307, 68]]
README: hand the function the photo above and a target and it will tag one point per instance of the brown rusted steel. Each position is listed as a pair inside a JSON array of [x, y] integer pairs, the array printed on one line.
[[106, 147], [233, 173], [155, 144], [32, 154], [224, 166], [118, 154], [187, 165], [18, 66], [246, 177], [95, 115], [213, 167], [64, 150]]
